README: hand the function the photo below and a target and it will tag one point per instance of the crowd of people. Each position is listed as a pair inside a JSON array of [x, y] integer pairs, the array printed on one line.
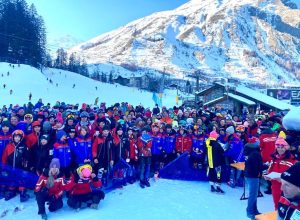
[[76, 149]]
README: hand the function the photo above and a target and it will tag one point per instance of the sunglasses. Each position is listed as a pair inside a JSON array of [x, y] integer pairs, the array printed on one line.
[[280, 146]]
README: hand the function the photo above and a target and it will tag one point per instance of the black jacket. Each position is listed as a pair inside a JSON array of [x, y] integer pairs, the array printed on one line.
[[253, 164]]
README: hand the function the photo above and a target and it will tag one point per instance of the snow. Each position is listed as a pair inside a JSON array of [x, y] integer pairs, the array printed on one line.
[[212, 36], [214, 100], [165, 199], [263, 98], [25, 79], [241, 99]]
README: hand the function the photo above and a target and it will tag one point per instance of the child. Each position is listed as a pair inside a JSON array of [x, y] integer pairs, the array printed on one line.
[[62, 151], [16, 155], [86, 188], [144, 145], [42, 155], [49, 188]]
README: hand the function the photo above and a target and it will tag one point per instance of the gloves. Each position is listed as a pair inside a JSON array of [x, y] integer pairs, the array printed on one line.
[[127, 160]]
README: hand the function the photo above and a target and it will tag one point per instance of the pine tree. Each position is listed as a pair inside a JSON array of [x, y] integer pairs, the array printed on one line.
[[61, 59], [23, 34]]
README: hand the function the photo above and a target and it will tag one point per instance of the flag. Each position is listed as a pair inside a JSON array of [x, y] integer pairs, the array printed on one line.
[[157, 100]]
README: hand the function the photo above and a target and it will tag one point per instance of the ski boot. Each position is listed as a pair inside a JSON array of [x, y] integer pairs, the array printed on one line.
[[219, 190], [142, 184], [231, 184], [44, 216], [146, 182], [212, 188], [23, 196], [9, 195], [94, 206]]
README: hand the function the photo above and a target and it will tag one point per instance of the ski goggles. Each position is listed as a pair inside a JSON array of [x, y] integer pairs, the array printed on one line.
[[28, 116], [70, 116]]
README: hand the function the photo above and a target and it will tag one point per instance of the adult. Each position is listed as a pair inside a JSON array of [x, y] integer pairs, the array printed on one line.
[[289, 203]]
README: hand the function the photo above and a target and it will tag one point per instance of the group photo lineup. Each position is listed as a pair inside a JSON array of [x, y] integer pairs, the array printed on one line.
[[150, 110]]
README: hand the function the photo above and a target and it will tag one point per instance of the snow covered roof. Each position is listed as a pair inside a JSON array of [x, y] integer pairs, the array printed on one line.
[[240, 98], [214, 100], [256, 95], [268, 100]]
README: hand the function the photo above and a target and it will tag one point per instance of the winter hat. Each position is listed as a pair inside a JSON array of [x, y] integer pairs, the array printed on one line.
[[54, 163], [84, 114], [213, 135], [44, 137], [230, 130], [47, 126], [179, 112], [5, 123], [190, 121], [282, 135], [19, 133], [292, 175], [254, 142], [36, 123], [99, 120], [85, 171], [240, 128], [106, 128], [119, 127], [71, 130], [60, 134], [92, 116], [281, 142], [59, 118], [168, 126], [40, 115], [264, 126], [174, 124]]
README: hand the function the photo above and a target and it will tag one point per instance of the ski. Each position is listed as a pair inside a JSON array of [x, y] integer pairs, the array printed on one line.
[[4, 213]]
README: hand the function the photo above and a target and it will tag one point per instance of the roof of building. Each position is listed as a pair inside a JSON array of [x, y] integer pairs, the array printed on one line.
[[240, 99]]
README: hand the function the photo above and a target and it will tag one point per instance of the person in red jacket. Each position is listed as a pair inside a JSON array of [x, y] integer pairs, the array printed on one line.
[[183, 142], [15, 154], [144, 145], [49, 188], [267, 141], [282, 160], [33, 138], [85, 188], [133, 155]]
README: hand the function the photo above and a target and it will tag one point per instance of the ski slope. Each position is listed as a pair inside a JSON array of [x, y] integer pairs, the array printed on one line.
[[164, 200], [25, 79]]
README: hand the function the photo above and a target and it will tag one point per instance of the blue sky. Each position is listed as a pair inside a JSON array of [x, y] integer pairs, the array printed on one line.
[[85, 19]]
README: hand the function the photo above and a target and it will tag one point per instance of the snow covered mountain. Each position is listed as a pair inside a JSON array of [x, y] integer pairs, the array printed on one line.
[[26, 79], [243, 39], [66, 42]]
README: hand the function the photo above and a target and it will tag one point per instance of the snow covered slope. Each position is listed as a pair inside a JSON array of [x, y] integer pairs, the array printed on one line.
[[164, 200], [25, 79], [254, 40]]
